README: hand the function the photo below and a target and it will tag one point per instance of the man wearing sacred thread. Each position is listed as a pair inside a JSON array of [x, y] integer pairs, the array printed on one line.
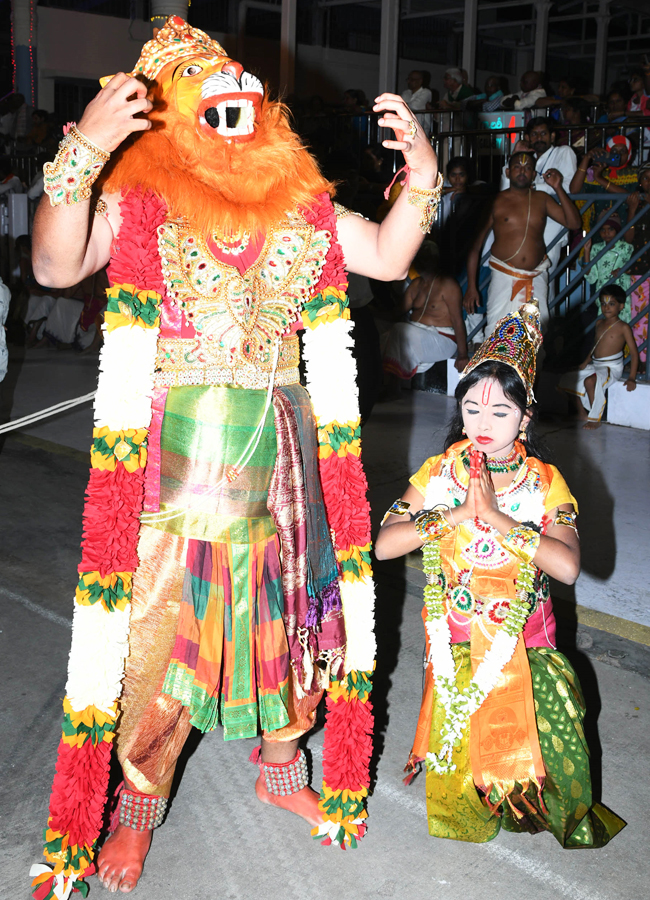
[[500, 730], [225, 574]]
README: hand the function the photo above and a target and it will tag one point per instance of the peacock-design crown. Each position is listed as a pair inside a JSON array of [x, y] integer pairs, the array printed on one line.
[[515, 341], [175, 40]]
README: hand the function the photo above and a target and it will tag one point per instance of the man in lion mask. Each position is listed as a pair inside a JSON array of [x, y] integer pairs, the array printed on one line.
[[225, 574]]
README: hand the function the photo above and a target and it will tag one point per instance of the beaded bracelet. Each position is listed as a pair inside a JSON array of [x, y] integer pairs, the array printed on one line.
[[427, 200], [522, 542], [431, 525], [76, 167]]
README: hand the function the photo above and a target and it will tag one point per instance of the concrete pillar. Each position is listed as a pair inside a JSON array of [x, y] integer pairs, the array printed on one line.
[[23, 25], [288, 46], [161, 9], [388, 46], [470, 26], [602, 33], [542, 13]]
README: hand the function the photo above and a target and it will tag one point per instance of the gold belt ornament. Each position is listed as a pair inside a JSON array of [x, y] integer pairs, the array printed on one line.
[[182, 361]]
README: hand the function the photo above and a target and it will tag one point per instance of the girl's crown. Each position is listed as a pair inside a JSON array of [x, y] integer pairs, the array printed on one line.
[[515, 342]]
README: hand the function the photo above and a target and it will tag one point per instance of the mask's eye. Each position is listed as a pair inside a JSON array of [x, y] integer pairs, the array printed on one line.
[[191, 70]]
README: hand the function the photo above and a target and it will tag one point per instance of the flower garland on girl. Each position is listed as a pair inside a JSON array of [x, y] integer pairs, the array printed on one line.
[[461, 705]]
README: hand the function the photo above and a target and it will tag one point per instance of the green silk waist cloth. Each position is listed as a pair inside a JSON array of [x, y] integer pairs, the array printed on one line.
[[230, 661]]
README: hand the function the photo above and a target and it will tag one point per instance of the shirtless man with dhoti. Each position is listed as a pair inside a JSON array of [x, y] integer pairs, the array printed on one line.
[[434, 331], [519, 262]]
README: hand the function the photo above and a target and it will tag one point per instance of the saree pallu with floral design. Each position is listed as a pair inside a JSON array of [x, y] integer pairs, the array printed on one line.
[[457, 810], [130, 411]]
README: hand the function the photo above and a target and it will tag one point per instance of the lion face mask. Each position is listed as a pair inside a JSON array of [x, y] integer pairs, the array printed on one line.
[[226, 100], [220, 150]]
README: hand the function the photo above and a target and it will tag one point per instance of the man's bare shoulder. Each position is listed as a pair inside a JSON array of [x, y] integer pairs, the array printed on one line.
[[503, 197], [447, 284]]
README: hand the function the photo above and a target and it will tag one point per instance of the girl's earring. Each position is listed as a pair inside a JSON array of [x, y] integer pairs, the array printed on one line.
[[522, 433], [464, 432]]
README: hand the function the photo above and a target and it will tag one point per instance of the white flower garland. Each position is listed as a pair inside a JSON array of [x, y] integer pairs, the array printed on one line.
[[331, 382], [460, 705], [125, 385], [100, 644], [331, 371], [358, 599], [123, 400]]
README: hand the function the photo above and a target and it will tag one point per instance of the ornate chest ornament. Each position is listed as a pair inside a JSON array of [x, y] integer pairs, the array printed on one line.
[[239, 319]]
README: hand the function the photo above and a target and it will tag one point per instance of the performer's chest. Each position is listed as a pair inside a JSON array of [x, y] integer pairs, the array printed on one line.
[[230, 310]]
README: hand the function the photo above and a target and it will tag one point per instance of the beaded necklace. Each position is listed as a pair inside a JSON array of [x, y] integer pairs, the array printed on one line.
[[499, 464], [232, 244]]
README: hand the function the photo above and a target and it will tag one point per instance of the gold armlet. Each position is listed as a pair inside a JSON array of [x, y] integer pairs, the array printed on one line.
[[522, 542], [76, 167], [564, 517], [432, 525], [398, 508], [426, 200], [343, 212]]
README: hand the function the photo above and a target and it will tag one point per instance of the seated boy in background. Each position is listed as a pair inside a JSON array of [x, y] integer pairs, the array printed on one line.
[[605, 362]]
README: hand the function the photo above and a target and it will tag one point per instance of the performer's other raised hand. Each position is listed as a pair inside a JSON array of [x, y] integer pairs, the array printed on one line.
[[117, 111], [410, 137]]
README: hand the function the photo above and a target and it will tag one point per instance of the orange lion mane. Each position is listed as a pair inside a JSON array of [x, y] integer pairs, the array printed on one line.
[[214, 184]]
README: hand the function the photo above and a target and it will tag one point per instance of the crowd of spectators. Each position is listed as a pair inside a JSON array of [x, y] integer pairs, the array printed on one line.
[[578, 144], [596, 146]]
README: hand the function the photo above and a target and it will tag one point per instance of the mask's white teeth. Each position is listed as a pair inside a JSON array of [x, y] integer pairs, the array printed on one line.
[[245, 120]]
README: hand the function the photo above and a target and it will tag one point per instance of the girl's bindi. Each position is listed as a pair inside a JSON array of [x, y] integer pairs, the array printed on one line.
[[487, 390]]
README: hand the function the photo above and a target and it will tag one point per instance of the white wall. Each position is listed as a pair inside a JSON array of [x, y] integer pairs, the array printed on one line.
[[83, 45]]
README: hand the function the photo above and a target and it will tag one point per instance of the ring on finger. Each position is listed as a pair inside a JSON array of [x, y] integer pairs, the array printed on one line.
[[413, 129]]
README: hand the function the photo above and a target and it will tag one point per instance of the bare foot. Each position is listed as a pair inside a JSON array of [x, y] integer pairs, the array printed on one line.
[[120, 862], [303, 803], [591, 425]]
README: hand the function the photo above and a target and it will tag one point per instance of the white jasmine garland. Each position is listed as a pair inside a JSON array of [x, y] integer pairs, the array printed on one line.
[[125, 385], [100, 645], [358, 599], [438, 492], [461, 705], [331, 382], [331, 371]]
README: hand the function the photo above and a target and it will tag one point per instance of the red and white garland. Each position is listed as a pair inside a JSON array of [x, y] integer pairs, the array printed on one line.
[[114, 500], [331, 382]]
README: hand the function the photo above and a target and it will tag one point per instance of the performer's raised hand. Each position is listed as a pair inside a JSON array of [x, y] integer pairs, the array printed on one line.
[[410, 137], [117, 111]]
